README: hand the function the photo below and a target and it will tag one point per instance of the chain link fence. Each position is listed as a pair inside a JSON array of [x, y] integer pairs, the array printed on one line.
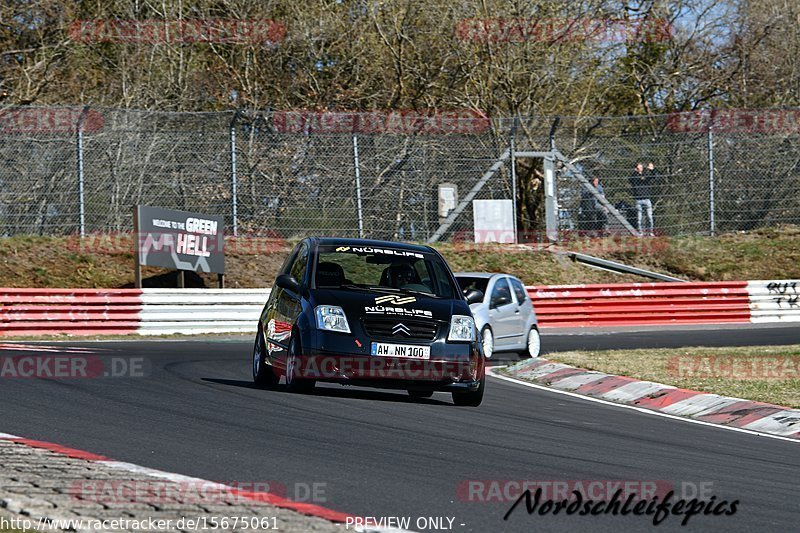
[[77, 170]]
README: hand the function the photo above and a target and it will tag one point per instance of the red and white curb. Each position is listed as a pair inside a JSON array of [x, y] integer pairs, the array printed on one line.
[[731, 413], [262, 497]]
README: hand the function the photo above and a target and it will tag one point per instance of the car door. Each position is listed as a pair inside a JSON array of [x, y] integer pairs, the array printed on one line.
[[524, 309], [503, 313], [286, 306]]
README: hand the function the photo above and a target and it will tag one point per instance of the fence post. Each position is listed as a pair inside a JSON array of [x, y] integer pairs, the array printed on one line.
[[711, 193], [79, 149], [234, 178], [512, 148], [358, 187], [550, 190], [550, 199]]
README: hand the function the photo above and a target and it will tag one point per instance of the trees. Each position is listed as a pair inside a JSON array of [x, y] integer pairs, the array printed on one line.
[[501, 57]]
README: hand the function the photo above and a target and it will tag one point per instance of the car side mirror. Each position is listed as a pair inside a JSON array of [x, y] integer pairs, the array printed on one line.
[[286, 281], [473, 296]]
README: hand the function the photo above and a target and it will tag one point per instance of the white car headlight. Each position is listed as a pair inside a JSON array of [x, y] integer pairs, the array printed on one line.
[[462, 328], [332, 318]]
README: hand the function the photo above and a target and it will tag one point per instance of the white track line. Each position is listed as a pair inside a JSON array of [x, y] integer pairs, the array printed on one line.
[[492, 372], [6, 436], [160, 474]]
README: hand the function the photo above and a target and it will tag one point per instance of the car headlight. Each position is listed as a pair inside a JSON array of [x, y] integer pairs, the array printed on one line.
[[462, 328], [332, 318]]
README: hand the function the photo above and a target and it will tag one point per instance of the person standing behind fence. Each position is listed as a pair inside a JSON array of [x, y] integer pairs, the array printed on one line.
[[600, 210], [641, 183]]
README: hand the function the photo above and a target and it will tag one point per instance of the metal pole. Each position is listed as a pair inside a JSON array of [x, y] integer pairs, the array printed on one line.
[[711, 178], [234, 180], [358, 188], [137, 268], [512, 147], [79, 147], [550, 199]]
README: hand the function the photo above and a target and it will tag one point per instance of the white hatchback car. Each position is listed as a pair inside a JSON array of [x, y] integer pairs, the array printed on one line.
[[505, 317]]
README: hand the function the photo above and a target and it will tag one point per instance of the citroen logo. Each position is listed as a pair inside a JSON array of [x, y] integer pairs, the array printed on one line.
[[395, 300], [401, 328]]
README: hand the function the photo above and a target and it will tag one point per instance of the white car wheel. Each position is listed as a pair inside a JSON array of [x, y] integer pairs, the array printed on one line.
[[534, 343], [488, 342]]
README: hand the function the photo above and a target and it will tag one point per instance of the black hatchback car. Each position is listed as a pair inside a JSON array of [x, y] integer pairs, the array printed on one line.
[[370, 313]]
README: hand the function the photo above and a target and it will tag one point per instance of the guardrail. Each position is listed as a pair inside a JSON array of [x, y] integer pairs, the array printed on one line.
[[72, 311], [189, 311], [129, 311], [641, 304], [774, 301]]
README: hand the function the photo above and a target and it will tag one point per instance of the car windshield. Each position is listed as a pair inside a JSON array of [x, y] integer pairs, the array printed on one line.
[[388, 269], [469, 282]]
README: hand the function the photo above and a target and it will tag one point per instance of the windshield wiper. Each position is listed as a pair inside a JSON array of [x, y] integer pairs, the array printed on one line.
[[423, 293], [353, 286]]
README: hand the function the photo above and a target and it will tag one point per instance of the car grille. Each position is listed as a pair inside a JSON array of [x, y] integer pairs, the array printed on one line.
[[391, 328]]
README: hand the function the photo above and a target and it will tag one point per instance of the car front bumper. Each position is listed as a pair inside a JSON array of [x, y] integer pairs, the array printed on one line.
[[337, 357]]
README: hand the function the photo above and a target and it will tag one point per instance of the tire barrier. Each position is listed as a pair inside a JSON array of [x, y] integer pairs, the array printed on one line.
[[36, 312]]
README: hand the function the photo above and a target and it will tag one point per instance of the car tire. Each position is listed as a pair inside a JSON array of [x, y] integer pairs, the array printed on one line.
[[263, 374], [533, 344], [419, 394], [293, 382], [470, 398], [487, 341]]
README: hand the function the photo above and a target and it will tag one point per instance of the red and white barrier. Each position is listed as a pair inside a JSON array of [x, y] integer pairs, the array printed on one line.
[[167, 311], [633, 304], [189, 311], [774, 301], [129, 311], [70, 311]]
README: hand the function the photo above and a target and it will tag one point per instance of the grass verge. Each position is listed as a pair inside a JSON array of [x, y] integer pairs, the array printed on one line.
[[106, 261], [762, 373]]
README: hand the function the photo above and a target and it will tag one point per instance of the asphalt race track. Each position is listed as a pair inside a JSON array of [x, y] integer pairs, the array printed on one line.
[[378, 453]]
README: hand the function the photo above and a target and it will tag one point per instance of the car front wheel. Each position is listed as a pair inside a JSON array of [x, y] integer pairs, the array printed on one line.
[[470, 398], [263, 374], [488, 342], [294, 382]]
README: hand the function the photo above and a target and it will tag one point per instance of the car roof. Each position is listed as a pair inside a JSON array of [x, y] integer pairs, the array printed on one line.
[[333, 241], [485, 275]]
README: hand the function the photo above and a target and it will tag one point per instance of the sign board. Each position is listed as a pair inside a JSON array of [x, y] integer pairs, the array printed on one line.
[[493, 220], [448, 198], [180, 239]]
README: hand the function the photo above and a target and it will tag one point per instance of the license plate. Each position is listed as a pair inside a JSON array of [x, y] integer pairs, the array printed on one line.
[[383, 349]]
